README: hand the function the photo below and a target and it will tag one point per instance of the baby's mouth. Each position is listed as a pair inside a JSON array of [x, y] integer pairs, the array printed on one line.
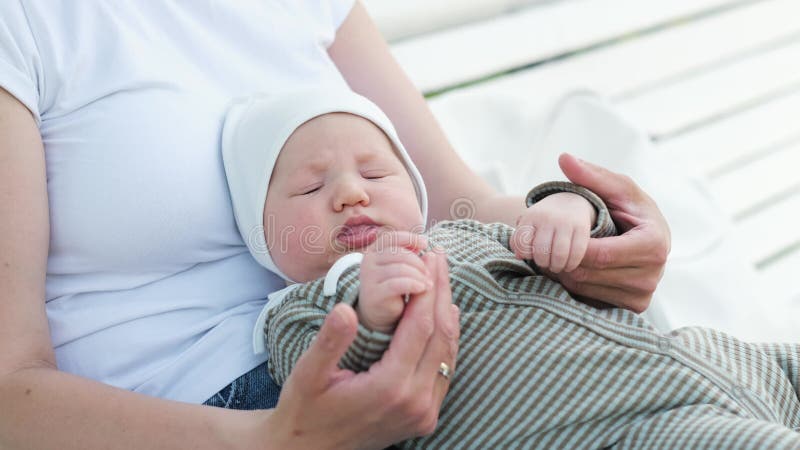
[[358, 232]]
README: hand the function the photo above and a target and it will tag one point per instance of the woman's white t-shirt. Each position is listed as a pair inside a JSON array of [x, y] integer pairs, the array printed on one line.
[[149, 285]]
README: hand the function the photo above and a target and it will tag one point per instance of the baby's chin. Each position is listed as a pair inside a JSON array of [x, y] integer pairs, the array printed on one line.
[[306, 277], [307, 274], [332, 258], [301, 274]]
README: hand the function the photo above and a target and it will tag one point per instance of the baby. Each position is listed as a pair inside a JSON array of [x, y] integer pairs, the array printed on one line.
[[326, 196]]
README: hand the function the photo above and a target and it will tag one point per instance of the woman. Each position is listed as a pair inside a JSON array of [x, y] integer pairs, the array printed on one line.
[[115, 212]]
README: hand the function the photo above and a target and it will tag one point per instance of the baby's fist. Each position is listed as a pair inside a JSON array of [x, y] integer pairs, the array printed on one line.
[[391, 268], [554, 232]]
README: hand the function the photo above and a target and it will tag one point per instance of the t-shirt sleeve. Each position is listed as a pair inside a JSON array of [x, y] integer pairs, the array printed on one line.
[[338, 11], [19, 57]]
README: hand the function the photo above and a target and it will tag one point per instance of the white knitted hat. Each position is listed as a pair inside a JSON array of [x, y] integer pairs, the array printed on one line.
[[256, 129]]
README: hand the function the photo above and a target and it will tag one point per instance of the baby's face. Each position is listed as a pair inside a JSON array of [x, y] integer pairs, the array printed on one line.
[[336, 184]]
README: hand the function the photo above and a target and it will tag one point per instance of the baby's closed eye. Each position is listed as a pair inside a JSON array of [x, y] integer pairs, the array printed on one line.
[[309, 189], [375, 174]]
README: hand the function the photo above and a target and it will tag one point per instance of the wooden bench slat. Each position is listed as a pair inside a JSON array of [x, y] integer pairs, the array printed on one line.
[[720, 89], [647, 61], [718, 147], [403, 19], [713, 94], [773, 176], [534, 34]]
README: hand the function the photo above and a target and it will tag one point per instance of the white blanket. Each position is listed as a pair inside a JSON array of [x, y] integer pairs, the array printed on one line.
[[515, 144]]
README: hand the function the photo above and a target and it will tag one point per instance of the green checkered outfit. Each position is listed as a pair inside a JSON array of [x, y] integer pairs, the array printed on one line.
[[539, 370]]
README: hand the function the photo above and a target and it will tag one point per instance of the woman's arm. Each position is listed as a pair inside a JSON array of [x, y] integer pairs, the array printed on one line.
[[364, 59], [42, 407]]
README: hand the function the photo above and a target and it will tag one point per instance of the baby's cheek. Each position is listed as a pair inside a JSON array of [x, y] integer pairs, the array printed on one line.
[[407, 212]]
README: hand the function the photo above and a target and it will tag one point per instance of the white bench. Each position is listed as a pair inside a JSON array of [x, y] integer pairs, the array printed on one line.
[[716, 84]]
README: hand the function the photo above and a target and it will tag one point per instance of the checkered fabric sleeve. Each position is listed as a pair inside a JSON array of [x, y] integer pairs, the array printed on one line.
[[292, 326], [603, 227]]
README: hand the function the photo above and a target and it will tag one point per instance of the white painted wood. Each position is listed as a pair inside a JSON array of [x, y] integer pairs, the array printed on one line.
[[766, 234], [775, 174], [781, 278], [721, 90], [718, 146], [402, 19], [470, 52], [647, 61]]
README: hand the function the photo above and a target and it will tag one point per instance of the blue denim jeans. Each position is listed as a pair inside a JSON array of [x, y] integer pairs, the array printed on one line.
[[253, 390]]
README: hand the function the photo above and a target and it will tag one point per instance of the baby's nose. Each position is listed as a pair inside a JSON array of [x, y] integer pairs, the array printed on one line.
[[350, 192]]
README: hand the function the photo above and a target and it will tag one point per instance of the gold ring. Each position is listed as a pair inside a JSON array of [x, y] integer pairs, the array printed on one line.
[[444, 370]]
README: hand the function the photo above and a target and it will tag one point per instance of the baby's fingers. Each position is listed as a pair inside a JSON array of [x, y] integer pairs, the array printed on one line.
[[522, 241], [543, 247], [403, 270], [400, 239], [400, 256], [404, 285]]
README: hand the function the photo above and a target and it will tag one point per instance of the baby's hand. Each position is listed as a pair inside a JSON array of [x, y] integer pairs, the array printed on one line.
[[554, 232], [391, 268]]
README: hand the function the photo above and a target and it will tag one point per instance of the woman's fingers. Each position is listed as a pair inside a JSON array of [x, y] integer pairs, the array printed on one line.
[[629, 205], [576, 252], [427, 326], [411, 336], [616, 190], [634, 248], [643, 246], [402, 393], [633, 279], [443, 345], [627, 287], [619, 297], [562, 241]]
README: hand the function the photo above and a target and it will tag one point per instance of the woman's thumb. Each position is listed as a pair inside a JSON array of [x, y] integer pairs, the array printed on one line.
[[321, 359], [608, 185]]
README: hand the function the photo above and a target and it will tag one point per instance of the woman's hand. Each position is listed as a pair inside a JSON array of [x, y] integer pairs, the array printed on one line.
[[322, 406], [622, 270]]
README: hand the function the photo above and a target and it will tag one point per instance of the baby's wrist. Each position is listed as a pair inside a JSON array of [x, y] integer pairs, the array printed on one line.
[[601, 223], [591, 211], [371, 324], [577, 201]]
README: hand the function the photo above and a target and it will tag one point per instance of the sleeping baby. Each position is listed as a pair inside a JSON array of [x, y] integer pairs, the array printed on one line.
[[326, 196]]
